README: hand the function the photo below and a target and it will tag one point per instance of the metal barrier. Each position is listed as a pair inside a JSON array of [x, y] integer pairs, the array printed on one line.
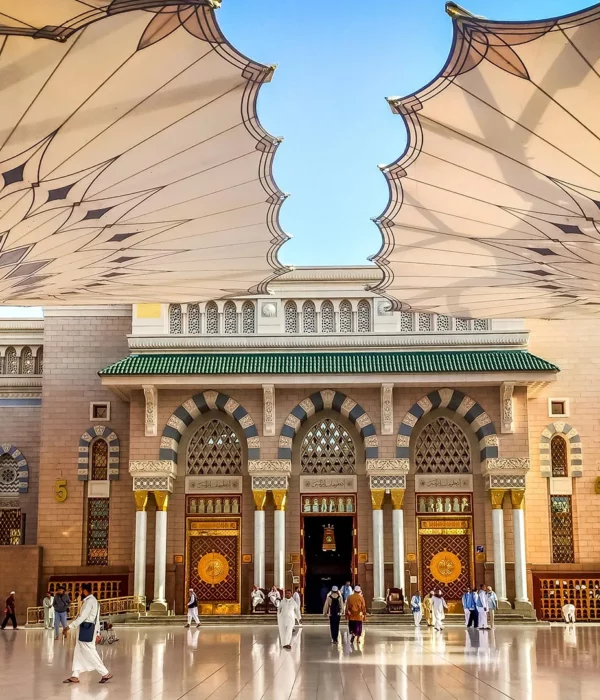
[[108, 606]]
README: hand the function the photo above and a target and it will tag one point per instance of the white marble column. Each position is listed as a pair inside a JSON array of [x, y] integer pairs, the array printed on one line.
[[159, 604], [518, 497], [141, 527], [497, 498], [259, 538], [377, 496], [280, 499], [398, 539]]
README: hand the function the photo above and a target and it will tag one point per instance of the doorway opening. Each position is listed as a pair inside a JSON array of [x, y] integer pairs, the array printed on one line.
[[330, 567]]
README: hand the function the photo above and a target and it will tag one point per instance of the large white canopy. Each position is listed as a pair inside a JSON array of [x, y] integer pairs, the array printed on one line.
[[133, 166], [494, 206]]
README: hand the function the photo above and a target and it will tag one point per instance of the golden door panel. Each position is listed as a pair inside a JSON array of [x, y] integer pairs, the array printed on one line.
[[213, 565], [446, 556]]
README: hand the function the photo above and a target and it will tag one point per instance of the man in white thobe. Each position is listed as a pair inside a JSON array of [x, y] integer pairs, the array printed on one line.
[[287, 614], [296, 597], [86, 657], [568, 612], [274, 596], [416, 608], [258, 597], [48, 611], [438, 605], [192, 609], [481, 602]]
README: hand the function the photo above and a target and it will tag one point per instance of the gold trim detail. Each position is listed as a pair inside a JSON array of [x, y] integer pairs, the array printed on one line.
[[260, 498], [280, 498], [377, 496], [398, 498], [517, 497], [162, 500], [497, 498], [141, 500]]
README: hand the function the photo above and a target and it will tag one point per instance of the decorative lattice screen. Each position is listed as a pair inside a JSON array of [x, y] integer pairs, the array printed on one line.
[[194, 319], [9, 475], [97, 531], [10, 527], [175, 319], [442, 448], [327, 448], [364, 316], [558, 451], [291, 317], [214, 449], [561, 521]]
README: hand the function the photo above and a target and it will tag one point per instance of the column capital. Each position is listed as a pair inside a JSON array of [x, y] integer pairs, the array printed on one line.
[[141, 500], [496, 498], [517, 497], [280, 498], [162, 500], [377, 496], [398, 498], [260, 498]]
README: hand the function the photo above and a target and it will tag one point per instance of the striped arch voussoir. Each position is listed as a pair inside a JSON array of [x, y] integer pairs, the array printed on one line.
[[324, 400], [19, 457], [114, 450], [462, 405], [575, 453], [207, 401]]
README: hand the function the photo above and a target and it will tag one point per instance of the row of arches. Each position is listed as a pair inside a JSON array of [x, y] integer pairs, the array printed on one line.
[[25, 362], [231, 321], [327, 319]]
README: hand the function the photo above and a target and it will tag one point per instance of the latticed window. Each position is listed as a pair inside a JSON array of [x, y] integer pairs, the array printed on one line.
[[97, 531], [327, 317], [9, 476], [99, 460], [442, 448], [248, 318], [27, 362], [327, 448], [290, 313], [194, 319], [39, 361], [363, 315], [559, 456], [214, 449], [425, 322], [561, 520], [212, 317], [444, 323], [10, 526], [461, 324], [175, 319], [481, 324], [407, 323], [230, 318], [346, 317], [11, 363], [309, 317]]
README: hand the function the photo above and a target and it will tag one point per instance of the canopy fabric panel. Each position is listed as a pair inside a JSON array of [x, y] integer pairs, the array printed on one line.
[[494, 207], [133, 166]]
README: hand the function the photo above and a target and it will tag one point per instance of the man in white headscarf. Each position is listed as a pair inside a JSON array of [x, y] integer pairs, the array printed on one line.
[[298, 600], [192, 609], [258, 597], [287, 613], [439, 606]]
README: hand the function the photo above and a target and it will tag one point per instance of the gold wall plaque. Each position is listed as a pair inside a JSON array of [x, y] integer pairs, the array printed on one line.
[[148, 311], [363, 558], [178, 559], [246, 559], [213, 525], [411, 557]]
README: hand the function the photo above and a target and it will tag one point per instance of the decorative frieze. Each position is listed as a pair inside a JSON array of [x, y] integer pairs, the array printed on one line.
[[387, 481], [505, 481], [328, 484], [153, 483], [213, 484], [151, 416], [431, 483], [160, 467], [387, 466], [506, 407], [506, 465], [387, 409], [268, 409], [270, 466], [269, 483]]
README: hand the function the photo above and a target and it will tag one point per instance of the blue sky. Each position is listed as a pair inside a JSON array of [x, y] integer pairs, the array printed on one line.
[[337, 61]]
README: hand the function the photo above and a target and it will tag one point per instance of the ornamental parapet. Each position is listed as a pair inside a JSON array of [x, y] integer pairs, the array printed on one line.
[[506, 472], [387, 467], [153, 475]]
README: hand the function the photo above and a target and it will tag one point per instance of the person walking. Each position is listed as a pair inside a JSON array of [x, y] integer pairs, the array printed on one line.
[[439, 607], [10, 611], [482, 607], [298, 600], [86, 657], [347, 590], [492, 601], [334, 609], [469, 608], [287, 614], [192, 609], [356, 612], [416, 608], [48, 611], [428, 608], [60, 603]]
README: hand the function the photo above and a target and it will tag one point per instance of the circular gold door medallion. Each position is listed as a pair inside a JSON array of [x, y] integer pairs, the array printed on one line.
[[213, 568], [445, 567]]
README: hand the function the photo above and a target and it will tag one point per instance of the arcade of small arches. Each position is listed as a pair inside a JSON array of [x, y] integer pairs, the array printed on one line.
[[22, 360]]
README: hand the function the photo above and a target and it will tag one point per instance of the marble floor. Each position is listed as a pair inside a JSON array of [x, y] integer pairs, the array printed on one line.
[[241, 663]]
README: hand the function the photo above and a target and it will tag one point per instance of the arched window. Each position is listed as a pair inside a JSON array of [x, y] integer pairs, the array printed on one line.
[[327, 448], [345, 317], [291, 317], [364, 316], [230, 318], [175, 319], [27, 362], [214, 449], [309, 317], [11, 362], [10, 518], [248, 318], [212, 318], [559, 456], [327, 317], [9, 475], [39, 361], [442, 448], [194, 319], [99, 460]]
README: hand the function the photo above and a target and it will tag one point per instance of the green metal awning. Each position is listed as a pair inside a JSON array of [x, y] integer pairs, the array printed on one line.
[[329, 363]]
